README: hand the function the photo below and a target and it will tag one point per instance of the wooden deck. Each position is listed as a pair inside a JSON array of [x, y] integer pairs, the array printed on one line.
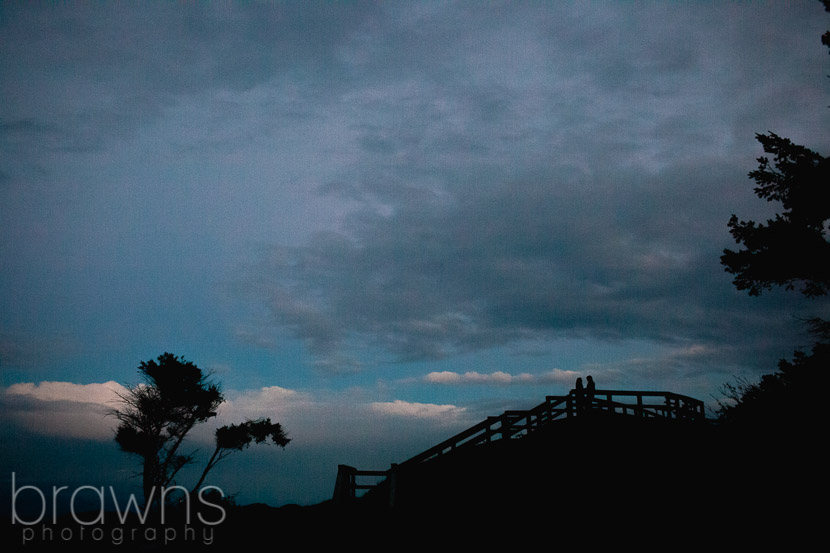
[[519, 423]]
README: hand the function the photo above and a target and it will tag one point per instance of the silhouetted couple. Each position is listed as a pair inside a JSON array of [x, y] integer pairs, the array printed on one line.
[[584, 395]]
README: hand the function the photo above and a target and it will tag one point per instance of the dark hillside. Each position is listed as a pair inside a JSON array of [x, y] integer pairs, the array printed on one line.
[[569, 464], [606, 479], [614, 473]]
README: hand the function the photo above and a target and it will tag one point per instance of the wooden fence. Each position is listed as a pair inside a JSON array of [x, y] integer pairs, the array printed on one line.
[[517, 423]]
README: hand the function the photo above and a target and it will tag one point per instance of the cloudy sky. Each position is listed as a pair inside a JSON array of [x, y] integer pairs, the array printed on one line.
[[379, 223]]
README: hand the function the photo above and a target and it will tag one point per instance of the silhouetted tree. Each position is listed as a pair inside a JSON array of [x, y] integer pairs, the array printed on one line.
[[793, 247], [157, 414], [236, 437], [793, 251], [790, 398]]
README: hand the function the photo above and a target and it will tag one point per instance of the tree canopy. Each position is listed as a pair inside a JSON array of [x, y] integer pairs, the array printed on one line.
[[157, 414], [236, 437], [791, 250], [789, 398]]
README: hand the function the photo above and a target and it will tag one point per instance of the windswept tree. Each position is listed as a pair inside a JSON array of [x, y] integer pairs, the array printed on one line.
[[236, 437], [157, 414]]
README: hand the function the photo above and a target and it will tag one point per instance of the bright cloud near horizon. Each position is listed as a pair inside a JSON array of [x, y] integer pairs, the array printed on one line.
[[378, 222]]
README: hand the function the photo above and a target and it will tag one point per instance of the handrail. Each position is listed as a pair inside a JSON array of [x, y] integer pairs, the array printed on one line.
[[516, 423], [474, 435], [674, 405]]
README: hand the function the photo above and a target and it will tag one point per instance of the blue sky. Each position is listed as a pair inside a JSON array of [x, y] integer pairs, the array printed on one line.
[[379, 223]]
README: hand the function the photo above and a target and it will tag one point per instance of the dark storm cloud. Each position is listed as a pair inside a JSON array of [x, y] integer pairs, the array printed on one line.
[[84, 88], [514, 171], [542, 185], [79, 76], [549, 173], [530, 259]]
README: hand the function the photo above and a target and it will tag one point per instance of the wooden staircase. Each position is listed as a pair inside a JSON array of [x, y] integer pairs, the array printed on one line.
[[517, 424]]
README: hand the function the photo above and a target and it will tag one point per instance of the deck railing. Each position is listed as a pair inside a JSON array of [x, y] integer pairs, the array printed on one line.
[[517, 423]]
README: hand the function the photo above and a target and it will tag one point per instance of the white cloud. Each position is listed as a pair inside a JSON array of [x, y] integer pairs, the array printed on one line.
[[500, 377], [81, 411], [63, 408], [416, 410], [106, 393], [331, 417], [275, 402], [444, 377]]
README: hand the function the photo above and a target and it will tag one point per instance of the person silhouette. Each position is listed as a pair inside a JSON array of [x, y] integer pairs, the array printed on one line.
[[579, 394], [589, 390]]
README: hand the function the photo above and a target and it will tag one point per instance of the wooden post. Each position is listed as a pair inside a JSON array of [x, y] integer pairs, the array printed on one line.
[[344, 487], [392, 480], [489, 432]]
